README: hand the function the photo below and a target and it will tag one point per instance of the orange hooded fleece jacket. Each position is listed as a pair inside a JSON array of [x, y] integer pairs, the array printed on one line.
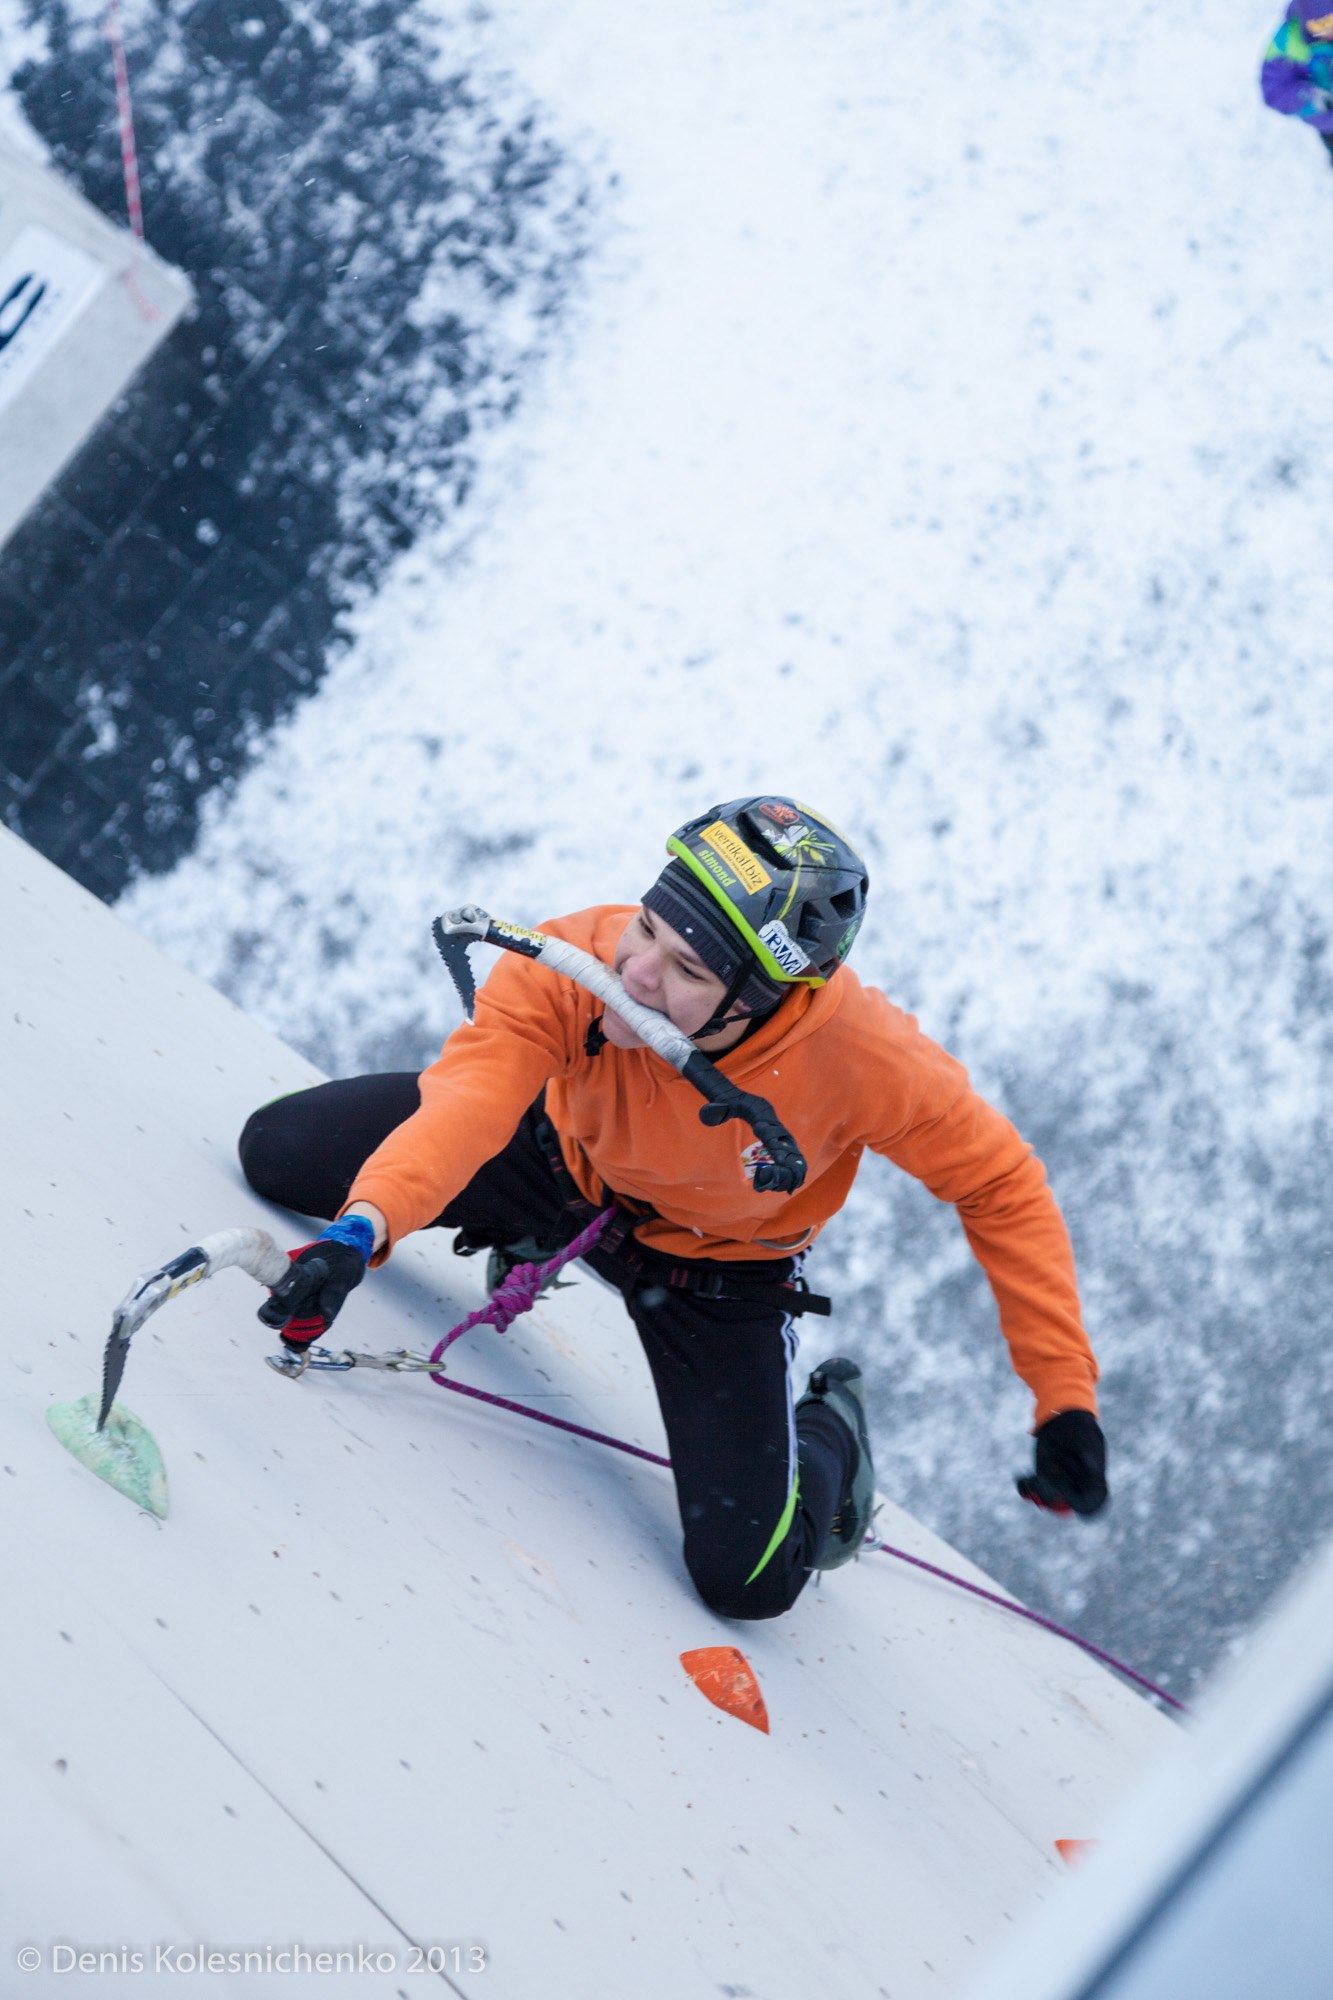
[[842, 1067]]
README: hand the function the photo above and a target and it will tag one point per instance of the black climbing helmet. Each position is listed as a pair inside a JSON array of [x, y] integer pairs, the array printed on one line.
[[768, 893]]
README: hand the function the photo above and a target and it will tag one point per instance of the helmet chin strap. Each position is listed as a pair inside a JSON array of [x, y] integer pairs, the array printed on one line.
[[723, 1018], [714, 1026]]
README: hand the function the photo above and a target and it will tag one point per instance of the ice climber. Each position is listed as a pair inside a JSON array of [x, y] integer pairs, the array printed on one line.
[[546, 1107], [1297, 76]]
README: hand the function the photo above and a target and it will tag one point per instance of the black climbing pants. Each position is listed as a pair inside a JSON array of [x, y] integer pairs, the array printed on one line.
[[721, 1366]]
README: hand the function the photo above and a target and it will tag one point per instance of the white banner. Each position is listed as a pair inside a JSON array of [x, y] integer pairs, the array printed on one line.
[[45, 283]]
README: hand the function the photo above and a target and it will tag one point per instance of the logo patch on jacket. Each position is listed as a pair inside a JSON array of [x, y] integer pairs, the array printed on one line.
[[756, 1154]]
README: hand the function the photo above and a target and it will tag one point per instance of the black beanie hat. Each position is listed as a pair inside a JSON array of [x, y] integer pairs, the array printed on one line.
[[683, 902]]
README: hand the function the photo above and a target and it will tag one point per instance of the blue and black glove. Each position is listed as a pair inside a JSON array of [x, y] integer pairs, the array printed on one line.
[[1070, 1474], [305, 1304]]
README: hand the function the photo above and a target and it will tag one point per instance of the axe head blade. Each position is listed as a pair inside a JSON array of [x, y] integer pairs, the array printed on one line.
[[452, 945], [113, 1367]]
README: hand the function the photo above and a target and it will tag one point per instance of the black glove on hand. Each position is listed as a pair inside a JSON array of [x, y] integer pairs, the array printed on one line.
[[307, 1301], [1071, 1465]]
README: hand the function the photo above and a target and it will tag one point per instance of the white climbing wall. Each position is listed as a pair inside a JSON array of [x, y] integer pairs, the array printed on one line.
[[1214, 1875], [402, 1673]]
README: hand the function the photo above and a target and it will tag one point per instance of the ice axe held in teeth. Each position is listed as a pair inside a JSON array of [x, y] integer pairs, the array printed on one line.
[[785, 1168]]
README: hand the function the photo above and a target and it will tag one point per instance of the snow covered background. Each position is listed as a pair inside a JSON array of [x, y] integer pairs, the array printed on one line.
[[942, 434]]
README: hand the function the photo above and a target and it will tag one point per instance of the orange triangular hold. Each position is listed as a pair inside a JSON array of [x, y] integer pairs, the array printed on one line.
[[727, 1678], [1072, 1851]]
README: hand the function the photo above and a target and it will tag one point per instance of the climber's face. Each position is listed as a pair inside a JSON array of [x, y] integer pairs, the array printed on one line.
[[659, 970]]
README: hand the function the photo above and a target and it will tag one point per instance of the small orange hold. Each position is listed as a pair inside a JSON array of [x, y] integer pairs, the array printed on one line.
[[725, 1676], [1071, 1852]]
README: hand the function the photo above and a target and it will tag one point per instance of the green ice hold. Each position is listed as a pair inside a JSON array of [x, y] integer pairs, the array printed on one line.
[[124, 1452]]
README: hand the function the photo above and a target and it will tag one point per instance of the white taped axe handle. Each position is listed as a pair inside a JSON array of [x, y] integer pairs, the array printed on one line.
[[251, 1250]]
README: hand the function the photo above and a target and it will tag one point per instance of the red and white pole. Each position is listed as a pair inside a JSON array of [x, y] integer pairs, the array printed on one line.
[[128, 155]]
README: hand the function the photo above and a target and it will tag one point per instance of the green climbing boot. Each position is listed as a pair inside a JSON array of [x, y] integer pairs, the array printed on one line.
[[505, 1258], [837, 1383], [502, 1259]]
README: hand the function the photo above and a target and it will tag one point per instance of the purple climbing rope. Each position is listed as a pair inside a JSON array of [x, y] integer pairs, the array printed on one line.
[[1035, 1618], [519, 1293]]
